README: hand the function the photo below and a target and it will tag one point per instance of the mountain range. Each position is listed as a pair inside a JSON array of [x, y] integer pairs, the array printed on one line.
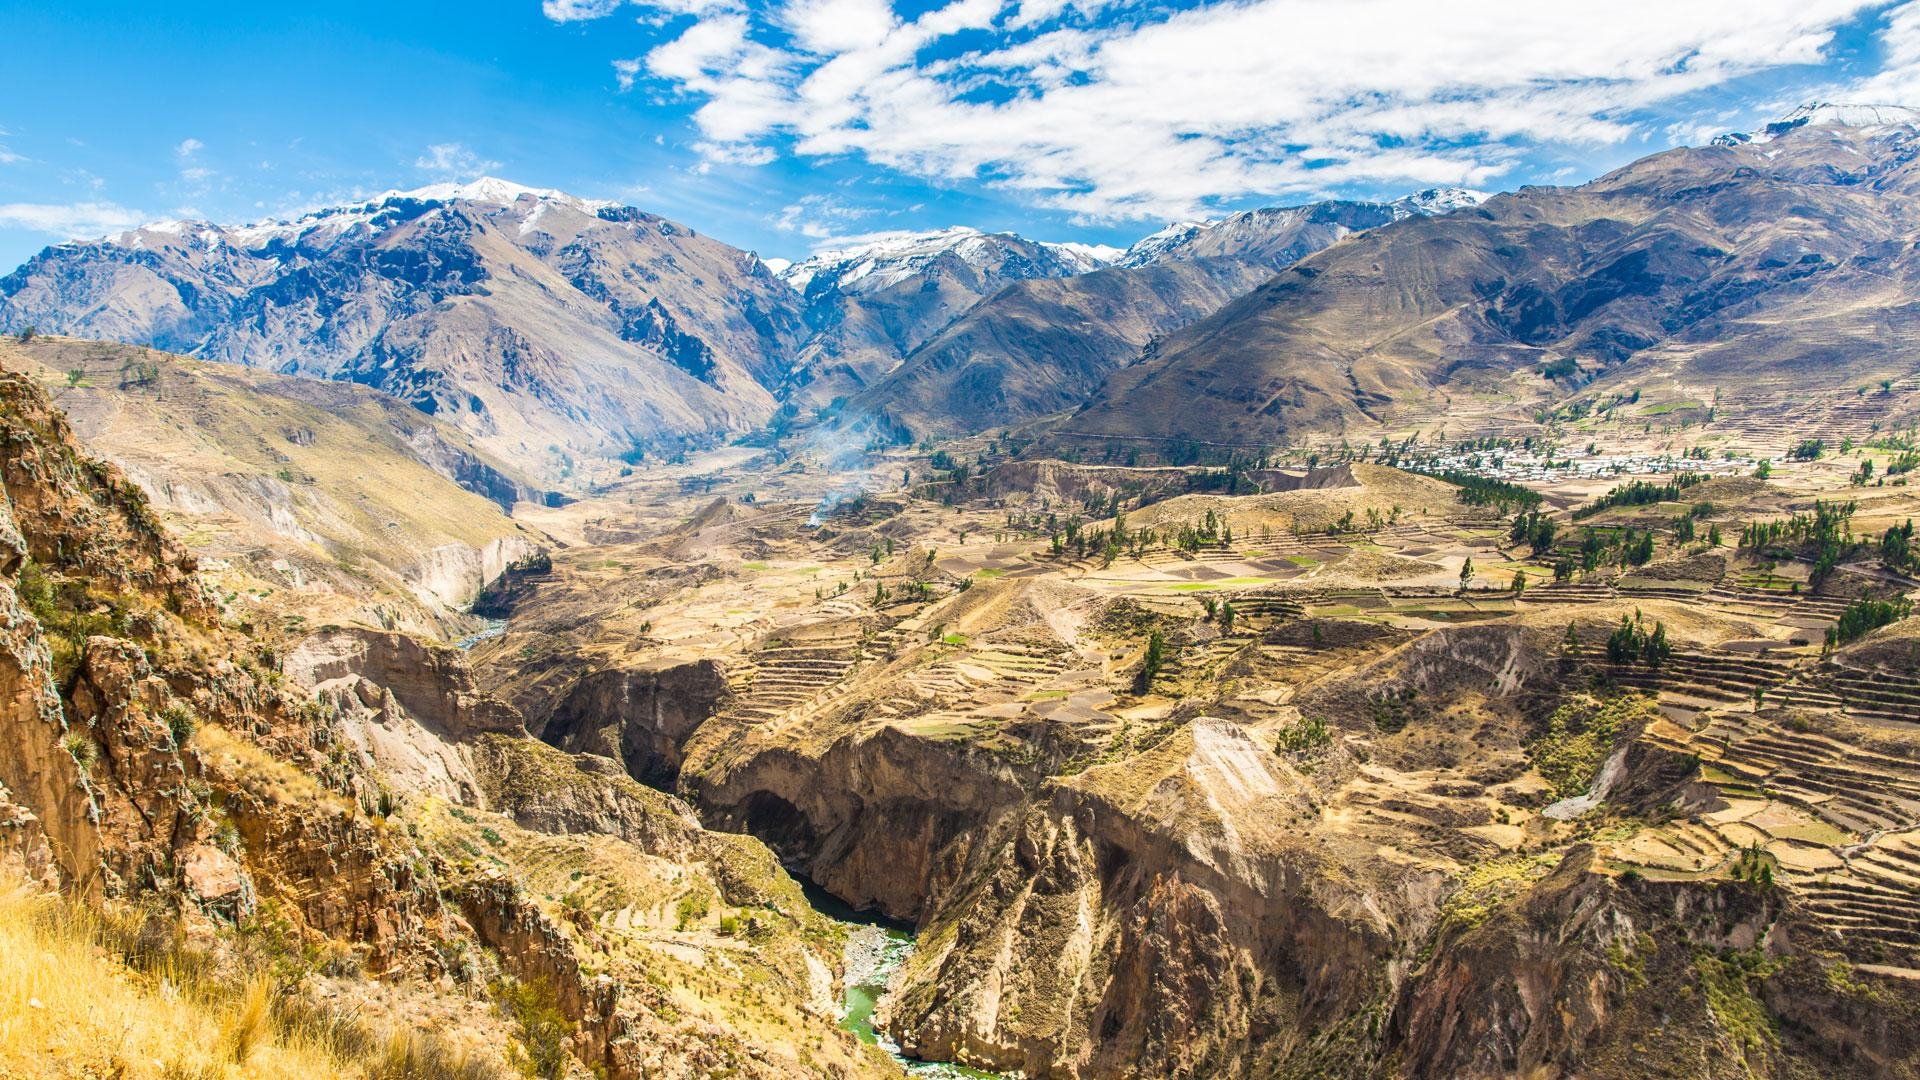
[[1750, 267], [566, 335]]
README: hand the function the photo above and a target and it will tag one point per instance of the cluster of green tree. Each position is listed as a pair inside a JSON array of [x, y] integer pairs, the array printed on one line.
[[1231, 479], [1477, 490], [953, 469], [1151, 663], [1640, 493], [1534, 529], [1684, 529], [1897, 551], [1807, 450], [1605, 547], [1561, 368], [1865, 615], [1632, 642], [1824, 537], [1306, 736], [1220, 611], [1211, 529]]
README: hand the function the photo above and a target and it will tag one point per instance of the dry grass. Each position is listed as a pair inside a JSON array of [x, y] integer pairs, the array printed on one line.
[[260, 770], [112, 995]]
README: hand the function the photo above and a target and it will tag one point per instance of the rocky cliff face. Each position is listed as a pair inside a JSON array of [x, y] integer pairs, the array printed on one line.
[[882, 819], [123, 700], [1183, 921], [641, 715], [314, 502]]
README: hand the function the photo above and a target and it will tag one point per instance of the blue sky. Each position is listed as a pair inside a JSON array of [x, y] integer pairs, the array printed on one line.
[[785, 126]]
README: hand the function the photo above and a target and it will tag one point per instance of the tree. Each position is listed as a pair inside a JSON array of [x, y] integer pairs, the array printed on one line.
[[1151, 664], [1466, 573], [74, 375], [27, 333], [1519, 582]]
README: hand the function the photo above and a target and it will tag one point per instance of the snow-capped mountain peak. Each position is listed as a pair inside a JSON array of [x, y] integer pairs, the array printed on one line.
[[1250, 228], [1826, 114], [336, 220], [881, 260], [1434, 202], [1151, 247], [492, 189]]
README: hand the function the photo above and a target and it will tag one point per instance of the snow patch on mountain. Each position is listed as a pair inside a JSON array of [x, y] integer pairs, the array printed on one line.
[[330, 223], [1433, 202], [885, 259], [1170, 241], [1826, 114]]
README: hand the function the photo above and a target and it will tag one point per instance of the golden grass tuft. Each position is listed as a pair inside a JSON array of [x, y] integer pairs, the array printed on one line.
[[115, 994]]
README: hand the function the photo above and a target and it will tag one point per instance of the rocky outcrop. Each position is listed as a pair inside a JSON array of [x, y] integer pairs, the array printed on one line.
[[140, 735], [1164, 917], [431, 683], [882, 819], [549, 791], [410, 709], [1591, 974], [641, 715]]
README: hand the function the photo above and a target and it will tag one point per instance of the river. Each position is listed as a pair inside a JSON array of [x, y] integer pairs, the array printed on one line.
[[874, 955], [877, 948]]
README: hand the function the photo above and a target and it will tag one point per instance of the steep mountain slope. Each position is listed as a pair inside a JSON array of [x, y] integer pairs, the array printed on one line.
[[1037, 347], [317, 501], [343, 849], [1740, 267], [871, 304], [544, 325]]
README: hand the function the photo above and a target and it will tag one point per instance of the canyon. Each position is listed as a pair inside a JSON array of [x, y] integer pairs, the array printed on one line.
[[1447, 637]]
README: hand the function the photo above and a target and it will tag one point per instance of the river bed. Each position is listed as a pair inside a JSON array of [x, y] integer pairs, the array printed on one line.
[[874, 955]]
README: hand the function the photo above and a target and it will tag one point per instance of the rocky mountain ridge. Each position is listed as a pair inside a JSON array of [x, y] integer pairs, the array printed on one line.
[[1744, 269], [552, 329]]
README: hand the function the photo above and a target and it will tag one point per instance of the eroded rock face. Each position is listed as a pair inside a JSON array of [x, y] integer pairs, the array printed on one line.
[[640, 715], [882, 819], [136, 728], [1584, 975], [409, 708], [1160, 919]]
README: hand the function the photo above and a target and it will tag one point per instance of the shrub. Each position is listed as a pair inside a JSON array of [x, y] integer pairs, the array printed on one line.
[[1150, 665], [1306, 736], [541, 1027], [180, 721]]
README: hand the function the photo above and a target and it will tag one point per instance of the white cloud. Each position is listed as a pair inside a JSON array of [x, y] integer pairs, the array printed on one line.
[[1163, 113], [187, 155], [578, 10], [70, 222], [820, 217], [563, 11], [453, 159], [1898, 81]]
